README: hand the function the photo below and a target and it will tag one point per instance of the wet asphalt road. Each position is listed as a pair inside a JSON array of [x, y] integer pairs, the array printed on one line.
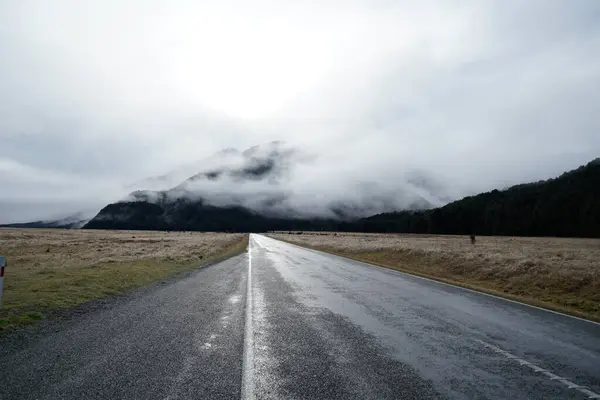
[[307, 325], [327, 327], [183, 340]]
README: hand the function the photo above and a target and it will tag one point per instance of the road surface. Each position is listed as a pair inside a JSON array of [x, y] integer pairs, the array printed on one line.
[[285, 322]]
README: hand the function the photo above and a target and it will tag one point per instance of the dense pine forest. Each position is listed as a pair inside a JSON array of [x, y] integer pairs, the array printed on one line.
[[568, 205]]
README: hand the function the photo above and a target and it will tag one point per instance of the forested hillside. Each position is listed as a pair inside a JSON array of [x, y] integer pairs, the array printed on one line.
[[565, 206], [186, 215]]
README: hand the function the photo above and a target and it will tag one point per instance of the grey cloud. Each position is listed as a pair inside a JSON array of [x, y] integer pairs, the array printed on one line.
[[472, 94], [278, 179]]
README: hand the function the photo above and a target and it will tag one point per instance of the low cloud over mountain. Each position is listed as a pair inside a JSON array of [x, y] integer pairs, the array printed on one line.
[[395, 104], [278, 180]]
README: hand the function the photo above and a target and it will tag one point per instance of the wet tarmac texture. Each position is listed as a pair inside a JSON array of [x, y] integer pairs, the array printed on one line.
[[308, 326]]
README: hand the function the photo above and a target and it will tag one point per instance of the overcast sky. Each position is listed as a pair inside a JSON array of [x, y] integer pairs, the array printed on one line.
[[483, 94]]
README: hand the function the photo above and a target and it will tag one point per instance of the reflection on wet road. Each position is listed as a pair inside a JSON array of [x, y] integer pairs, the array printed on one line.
[[328, 327], [283, 322]]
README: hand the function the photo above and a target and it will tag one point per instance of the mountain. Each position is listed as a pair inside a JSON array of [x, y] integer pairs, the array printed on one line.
[[266, 186], [183, 214], [568, 205], [176, 176], [74, 221], [257, 190], [271, 162]]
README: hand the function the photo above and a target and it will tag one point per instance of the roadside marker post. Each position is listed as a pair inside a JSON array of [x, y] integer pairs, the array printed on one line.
[[2, 266]]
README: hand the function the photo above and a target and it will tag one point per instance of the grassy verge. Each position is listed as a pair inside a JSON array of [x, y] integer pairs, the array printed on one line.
[[539, 283], [33, 290]]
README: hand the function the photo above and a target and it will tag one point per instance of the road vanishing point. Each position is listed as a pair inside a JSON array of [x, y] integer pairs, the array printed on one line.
[[284, 322]]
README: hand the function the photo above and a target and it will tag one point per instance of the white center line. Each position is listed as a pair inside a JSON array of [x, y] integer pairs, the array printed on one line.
[[248, 363], [552, 376]]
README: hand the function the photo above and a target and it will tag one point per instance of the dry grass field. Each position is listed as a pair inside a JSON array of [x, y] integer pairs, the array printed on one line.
[[558, 273], [53, 269]]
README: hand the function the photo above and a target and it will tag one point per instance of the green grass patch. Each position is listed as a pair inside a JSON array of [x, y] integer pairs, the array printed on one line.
[[30, 294]]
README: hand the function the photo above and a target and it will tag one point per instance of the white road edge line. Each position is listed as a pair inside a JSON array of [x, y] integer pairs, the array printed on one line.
[[443, 283], [552, 376], [248, 362]]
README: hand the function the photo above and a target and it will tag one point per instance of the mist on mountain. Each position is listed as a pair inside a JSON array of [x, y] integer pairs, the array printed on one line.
[[276, 179]]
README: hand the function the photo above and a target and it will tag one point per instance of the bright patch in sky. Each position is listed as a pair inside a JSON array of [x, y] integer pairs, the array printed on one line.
[[247, 69], [97, 95]]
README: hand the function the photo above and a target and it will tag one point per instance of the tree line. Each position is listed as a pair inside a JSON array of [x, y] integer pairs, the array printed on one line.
[[568, 205]]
